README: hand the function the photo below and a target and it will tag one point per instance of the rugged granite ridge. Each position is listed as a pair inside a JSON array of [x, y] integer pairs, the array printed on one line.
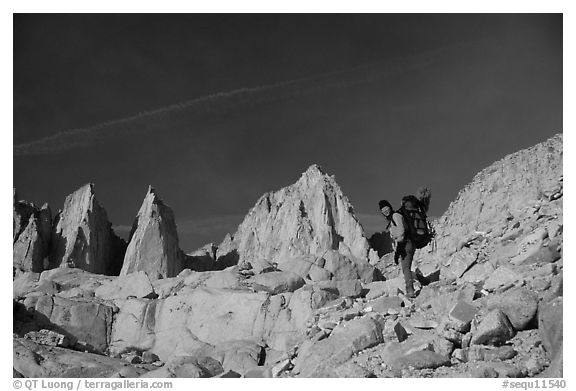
[[503, 190], [310, 217], [83, 236], [153, 243]]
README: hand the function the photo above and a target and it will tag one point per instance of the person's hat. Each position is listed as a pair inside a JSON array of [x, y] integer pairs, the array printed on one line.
[[383, 203]]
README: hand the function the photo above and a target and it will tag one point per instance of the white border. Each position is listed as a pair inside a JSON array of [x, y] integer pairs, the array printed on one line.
[[239, 6]]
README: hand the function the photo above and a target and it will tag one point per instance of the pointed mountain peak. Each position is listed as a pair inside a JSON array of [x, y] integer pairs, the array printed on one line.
[[309, 217], [154, 223], [152, 196], [87, 188], [314, 169], [316, 177], [312, 176], [82, 236], [85, 196]]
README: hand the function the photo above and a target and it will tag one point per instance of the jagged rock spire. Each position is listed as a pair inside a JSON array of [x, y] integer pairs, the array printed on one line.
[[83, 236], [22, 211], [153, 244], [32, 235], [30, 248]]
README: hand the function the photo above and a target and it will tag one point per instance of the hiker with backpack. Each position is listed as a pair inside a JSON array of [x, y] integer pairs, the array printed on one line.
[[409, 229]]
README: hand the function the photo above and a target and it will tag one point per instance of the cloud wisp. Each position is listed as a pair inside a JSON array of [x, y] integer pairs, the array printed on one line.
[[228, 101], [218, 103]]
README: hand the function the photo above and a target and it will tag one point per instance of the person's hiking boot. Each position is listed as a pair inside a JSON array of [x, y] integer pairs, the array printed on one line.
[[410, 290]]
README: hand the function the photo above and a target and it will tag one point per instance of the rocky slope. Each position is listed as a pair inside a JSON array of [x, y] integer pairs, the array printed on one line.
[[502, 191], [291, 293]]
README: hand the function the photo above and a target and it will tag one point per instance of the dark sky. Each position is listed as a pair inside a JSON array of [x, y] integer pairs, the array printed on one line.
[[214, 110]]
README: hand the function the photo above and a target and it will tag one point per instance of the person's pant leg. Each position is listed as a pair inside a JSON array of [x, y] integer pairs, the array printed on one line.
[[406, 261]]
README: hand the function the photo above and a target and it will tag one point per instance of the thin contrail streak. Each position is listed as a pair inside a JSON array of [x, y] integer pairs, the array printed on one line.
[[225, 101]]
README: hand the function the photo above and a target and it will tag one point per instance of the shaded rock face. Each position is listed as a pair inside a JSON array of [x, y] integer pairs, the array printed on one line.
[[30, 249], [519, 305], [32, 236], [504, 188], [83, 236], [22, 211], [203, 259], [494, 329], [33, 360], [153, 244], [550, 320], [308, 217], [87, 323]]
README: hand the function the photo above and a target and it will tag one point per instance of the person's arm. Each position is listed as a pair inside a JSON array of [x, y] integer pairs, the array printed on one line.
[[387, 226], [397, 229]]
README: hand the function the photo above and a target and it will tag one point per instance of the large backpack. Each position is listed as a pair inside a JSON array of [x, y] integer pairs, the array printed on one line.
[[419, 229]]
